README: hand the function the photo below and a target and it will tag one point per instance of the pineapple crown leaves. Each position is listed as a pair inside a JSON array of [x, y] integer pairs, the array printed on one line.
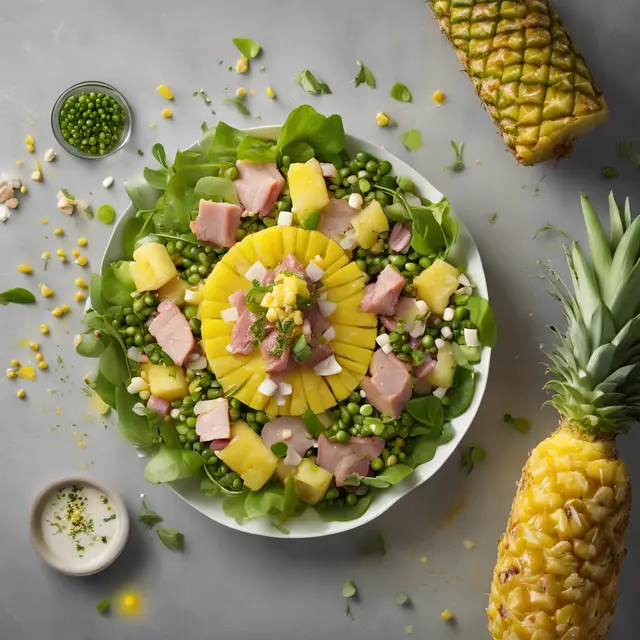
[[595, 363]]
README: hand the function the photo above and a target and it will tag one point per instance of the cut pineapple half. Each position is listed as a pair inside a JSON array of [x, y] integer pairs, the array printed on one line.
[[240, 376]]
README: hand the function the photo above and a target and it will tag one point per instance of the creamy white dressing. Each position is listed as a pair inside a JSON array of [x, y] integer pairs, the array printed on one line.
[[78, 523]]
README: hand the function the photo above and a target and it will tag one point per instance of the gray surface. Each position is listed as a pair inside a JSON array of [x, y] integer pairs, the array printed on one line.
[[228, 585]]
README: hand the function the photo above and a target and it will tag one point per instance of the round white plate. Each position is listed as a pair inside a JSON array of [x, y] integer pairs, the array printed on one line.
[[309, 524]]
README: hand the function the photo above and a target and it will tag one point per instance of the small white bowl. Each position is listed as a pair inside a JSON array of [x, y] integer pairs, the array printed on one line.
[[72, 567]]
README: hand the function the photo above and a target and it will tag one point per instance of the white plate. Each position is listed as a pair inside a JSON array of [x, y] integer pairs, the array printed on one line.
[[309, 524]]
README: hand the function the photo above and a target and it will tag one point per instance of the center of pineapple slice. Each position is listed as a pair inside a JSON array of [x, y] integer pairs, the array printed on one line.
[[342, 282]]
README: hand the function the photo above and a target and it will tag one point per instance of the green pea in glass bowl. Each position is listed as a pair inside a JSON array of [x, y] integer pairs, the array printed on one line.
[[91, 120]]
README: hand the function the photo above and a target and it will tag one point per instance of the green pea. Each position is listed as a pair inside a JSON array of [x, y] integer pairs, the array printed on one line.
[[332, 493], [352, 499], [150, 300], [286, 161], [407, 348], [427, 341], [138, 340], [405, 184], [446, 401], [182, 439], [384, 167], [342, 436], [353, 408], [362, 157], [460, 301], [231, 173], [461, 313], [262, 417], [190, 311], [214, 394], [195, 325], [254, 426], [376, 426], [364, 185], [425, 262], [377, 464], [398, 261], [192, 436], [371, 166], [410, 267], [138, 305], [191, 423], [354, 397], [366, 410]]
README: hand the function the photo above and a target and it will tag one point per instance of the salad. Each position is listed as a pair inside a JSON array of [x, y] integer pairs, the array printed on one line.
[[283, 323]]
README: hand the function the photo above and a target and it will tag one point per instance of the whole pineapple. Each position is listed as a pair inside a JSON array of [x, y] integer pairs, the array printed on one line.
[[525, 68], [559, 559]]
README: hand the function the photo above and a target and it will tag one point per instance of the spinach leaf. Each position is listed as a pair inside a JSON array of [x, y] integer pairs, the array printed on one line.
[[481, 314], [427, 410], [233, 507], [257, 149], [239, 104], [95, 294], [117, 283], [460, 358], [292, 506], [208, 486], [427, 236], [445, 218], [460, 394], [169, 434], [147, 517], [400, 92], [411, 139], [132, 229], [132, 427], [156, 178], [216, 189], [345, 513], [280, 449], [299, 151], [104, 389], [312, 423], [521, 425], [169, 465], [143, 196], [225, 142], [260, 503], [171, 538], [365, 75], [18, 295], [424, 447], [310, 83], [247, 47], [92, 346], [158, 152], [113, 365], [390, 476]]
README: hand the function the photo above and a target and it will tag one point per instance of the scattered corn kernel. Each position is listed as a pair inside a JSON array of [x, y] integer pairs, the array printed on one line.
[[240, 92], [79, 282], [15, 363], [57, 312], [43, 365], [64, 259], [79, 296], [39, 356], [58, 232], [24, 190], [468, 544], [270, 92], [44, 220], [382, 119], [19, 163], [439, 97], [82, 261], [242, 66], [82, 242], [76, 253], [298, 318], [66, 308], [167, 113], [61, 253], [21, 394], [11, 374], [44, 329], [29, 140], [424, 559], [25, 268], [164, 91], [272, 315], [31, 148], [446, 615], [34, 346]]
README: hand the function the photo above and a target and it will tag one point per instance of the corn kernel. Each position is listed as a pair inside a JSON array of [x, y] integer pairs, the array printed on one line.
[[272, 315], [76, 253], [29, 140], [282, 314], [382, 119], [61, 253], [21, 394], [44, 329], [19, 163], [64, 259], [43, 365], [271, 93], [82, 242], [439, 97], [34, 346], [242, 66], [39, 356], [25, 268], [24, 190], [79, 296], [80, 283], [298, 318], [65, 308], [58, 232], [57, 312], [240, 92], [290, 298], [46, 291], [31, 148], [11, 374], [164, 91], [267, 300], [82, 260], [167, 113], [446, 615], [15, 363]]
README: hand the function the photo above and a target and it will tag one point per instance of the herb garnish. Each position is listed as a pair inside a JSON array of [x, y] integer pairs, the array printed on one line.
[[551, 227], [301, 349], [247, 47], [493, 217], [411, 139], [609, 173], [458, 164], [470, 457], [629, 150], [349, 589], [259, 329], [171, 538], [310, 83], [280, 449], [256, 294], [522, 425], [365, 75], [400, 92], [239, 104], [147, 517], [103, 605], [154, 349], [17, 295]]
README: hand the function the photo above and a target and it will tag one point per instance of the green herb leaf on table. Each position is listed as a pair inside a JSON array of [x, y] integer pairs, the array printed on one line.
[[349, 589], [481, 314], [608, 173], [365, 75], [402, 599], [171, 538], [147, 517], [493, 217], [247, 47], [312, 423], [17, 295], [458, 163], [522, 425], [239, 104], [348, 612], [551, 227], [103, 605], [411, 139], [629, 150], [280, 449], [470, 457], [400, 92], [311, 84]]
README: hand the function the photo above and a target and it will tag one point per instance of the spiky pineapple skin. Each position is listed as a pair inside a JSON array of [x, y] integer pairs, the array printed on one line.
[[527, 71], [559, 560]]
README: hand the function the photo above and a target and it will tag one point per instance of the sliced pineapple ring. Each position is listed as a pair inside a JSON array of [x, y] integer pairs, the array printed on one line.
[[240, 376]]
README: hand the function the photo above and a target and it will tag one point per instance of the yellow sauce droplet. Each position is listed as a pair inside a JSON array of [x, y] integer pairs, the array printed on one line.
[[129, 604], [27, 373]]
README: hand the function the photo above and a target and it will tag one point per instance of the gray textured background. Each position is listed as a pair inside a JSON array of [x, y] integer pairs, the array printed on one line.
[[228, 585]]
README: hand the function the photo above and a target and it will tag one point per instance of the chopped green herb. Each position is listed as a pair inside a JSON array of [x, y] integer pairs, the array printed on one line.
[[171, 538], [609, 173], [349, 589], [17, 295], [458, 164], [108, 519], [348, 612], [365, 75], [402, 598], [301, 349], [470, 457], [280, 449], [259, 329], [239, 104], [629, 150], [256, 294], [521, 425], [312, 423], [140, 152], [551, 227], [157, 355], [310, 83], [67, 194], [147, 517], [103, 605], [400, 92], [493, 217], [310, 222], [247, 47], [411, 139]]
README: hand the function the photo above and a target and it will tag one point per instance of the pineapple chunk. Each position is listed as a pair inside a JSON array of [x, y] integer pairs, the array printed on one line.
[[345, 291], [225, 281], [248, 456], [317, 244], [307, 187], [174, 290], [357, 354], [268, 245], [334, 266], [369, 224], [364, 338], [289, 235], [215, 328], [311, 390], [152, 267], [346, 274], [442, 374], [212, 308], [436, 285], [168, 383], [284, 471], [311, 481], [298, 287], [339, 390]]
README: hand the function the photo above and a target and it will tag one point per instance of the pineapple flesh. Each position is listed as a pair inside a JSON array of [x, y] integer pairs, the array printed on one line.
[[525, 68], [559, 560]]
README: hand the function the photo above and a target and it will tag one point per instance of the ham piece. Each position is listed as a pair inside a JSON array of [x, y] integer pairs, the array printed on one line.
[[172, 331], [259, 185], [336, 219], [343, 459], [292, 432], [217, 223], [159, 406], [275, 364], [400, 238], [382, 296], [214, 424], [388, 388]]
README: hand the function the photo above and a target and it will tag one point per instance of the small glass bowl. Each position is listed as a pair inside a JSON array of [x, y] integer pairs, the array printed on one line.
[[88, 87]]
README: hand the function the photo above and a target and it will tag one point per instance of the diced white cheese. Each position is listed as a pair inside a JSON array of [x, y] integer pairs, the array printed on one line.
[[285, 389], [268, 387], [382, 339], [286, 434], [440, 392], [448, 315], [193, 297], [439, 342], [463, 280], [49, 155], [327, 307], [139, 409], [4, 213], [314, 272], [137, 385], [107, 182], [199, 363], [229, 315], [356, 201], [229, 348], [329, 334], [471, 337], [328, 170], [306, 328], [348, 240], [133, 353], [280, 399], [446, 333], [417, 328], [257, 271], [468, 291], [204, 406], [328, 367], [363, 394], [422, 306], [285, 219], [388, 348], [460, 292], [412, 200]]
